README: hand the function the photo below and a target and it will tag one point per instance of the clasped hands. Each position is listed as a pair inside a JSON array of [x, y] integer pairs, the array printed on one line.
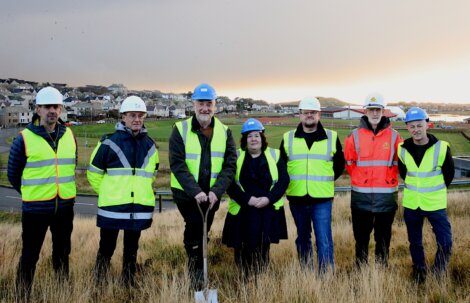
[[258, 202]]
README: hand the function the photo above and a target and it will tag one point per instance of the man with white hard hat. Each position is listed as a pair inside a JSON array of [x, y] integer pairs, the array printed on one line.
[[371, 161], [41, 167], [315, 160], [426, 165], [122, 169]]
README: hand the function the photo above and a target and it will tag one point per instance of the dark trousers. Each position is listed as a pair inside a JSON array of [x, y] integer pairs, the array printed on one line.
[[34, 231], [414, 220], [252, 260], [363, 223], [193, 233], [108, 239]]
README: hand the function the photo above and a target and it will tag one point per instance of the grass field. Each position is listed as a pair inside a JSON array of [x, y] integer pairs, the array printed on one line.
[[162, 276]]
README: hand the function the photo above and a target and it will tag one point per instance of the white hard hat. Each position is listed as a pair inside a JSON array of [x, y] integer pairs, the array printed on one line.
[[310, 103], [48, 95], [133, 104], [374, 100]]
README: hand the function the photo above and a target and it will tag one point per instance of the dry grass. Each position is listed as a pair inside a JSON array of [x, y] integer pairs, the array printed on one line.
[[163, 278]]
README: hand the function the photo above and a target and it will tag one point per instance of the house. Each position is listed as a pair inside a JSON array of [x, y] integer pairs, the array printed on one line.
[[14, 116], [350, 112], [177, 111]]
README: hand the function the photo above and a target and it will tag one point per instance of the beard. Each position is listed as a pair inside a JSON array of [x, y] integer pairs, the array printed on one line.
[[204, 117], [310, 124]]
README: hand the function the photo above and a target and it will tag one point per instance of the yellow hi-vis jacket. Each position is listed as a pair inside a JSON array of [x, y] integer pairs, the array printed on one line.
[[424, 185], [272, 156], [48, 173], [125, 184], [192, 148], [310, 170]]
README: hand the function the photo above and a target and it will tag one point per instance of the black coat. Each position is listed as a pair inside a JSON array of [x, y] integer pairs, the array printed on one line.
[[253, 226]]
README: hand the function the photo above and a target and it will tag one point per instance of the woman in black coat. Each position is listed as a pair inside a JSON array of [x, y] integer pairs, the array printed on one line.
[[256, 214]]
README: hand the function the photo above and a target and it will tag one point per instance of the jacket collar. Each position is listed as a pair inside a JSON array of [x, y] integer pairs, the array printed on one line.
[[195, 126], [383, 124], [120, 126]]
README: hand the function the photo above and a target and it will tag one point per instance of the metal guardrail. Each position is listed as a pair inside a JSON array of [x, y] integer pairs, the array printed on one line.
[[338, 189]]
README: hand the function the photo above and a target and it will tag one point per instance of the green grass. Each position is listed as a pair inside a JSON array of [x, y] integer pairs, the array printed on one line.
[[9, 217]]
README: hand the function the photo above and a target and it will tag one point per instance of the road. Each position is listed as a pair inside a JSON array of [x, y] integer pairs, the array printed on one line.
[[10, 200]]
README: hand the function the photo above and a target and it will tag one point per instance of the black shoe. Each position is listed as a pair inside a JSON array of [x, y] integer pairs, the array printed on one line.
[[419, 275]]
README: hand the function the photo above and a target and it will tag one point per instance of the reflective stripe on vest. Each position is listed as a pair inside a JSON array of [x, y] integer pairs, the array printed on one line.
[[127, 184], [272, 156], [193, 150], [310, 171], [372, 163], [424, 185], [48, 173], [125, 216]]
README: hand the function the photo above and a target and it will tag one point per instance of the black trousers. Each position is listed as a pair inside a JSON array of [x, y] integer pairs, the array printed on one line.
[[252, 260], [193, 233], [108, 239], [34, 231], [363, 223]]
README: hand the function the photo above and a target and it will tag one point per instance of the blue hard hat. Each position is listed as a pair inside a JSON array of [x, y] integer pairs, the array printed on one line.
[[204, 92], [252, 125], [416, 114]]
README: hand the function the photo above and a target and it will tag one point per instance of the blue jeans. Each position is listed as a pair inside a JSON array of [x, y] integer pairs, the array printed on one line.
[[320, 215], [414, 220]]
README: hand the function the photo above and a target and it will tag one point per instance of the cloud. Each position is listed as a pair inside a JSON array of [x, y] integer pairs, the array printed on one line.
[[173, 45]]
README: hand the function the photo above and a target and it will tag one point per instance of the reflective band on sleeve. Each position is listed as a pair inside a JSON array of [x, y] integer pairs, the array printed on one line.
[[425, 189], [93, 169], [49, 162], [118, 152], [311, 178], [217, 154], [125, 216], [424, 174], [50, 180], [377, 190]]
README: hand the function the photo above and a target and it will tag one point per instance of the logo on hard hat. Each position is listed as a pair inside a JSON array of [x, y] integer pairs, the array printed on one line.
[[373, 99], [203, 89]]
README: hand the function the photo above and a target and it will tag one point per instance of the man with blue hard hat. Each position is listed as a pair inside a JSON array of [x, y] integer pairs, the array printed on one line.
[[203, 159], [426, 165]]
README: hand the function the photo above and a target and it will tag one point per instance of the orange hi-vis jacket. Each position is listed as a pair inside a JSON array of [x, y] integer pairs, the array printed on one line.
[[372, 160]]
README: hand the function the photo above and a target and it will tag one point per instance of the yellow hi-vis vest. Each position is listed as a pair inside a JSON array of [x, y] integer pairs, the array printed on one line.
[[310, 170], [192, 148], [126, 184], [424, 185], [272, 156], [48, 173]]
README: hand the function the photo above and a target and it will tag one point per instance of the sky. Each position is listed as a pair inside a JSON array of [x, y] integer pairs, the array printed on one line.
[[275, 50]]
